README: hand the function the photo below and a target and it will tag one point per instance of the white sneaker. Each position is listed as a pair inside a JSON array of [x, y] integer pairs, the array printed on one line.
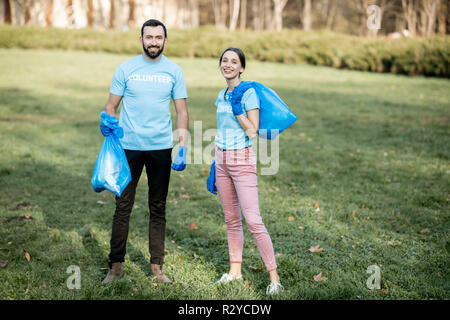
[[274, 288], [227, 278]]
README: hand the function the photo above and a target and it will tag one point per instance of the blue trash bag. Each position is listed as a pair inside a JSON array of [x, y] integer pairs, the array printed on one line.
[[111, 171], [274, 114]]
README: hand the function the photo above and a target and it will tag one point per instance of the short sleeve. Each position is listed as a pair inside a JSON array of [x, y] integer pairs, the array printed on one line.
[[179, 89], [250, 100], [219, 97], [118, 82]]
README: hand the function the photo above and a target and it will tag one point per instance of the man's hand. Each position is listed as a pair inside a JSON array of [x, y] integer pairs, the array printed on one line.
[[236, 97], [211, 182], [180, 161], [105, 130], [110, 125]]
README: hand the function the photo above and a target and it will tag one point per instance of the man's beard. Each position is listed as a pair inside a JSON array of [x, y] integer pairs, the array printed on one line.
[[153, 55]]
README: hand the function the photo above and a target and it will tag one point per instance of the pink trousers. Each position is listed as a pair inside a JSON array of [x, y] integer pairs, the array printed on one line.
[[237, 186]]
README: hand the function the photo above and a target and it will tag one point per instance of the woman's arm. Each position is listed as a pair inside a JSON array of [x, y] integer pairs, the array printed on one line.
[[250, 124]]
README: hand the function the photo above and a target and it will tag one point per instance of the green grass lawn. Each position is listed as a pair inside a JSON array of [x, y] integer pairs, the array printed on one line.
[[372, 149]]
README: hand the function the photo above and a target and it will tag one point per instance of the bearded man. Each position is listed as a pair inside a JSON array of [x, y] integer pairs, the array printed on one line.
[[145, 85]]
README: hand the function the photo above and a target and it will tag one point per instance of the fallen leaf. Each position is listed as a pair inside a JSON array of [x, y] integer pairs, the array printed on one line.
[[291, 219], [205, 172], [166, 251], [301, 134], [315, 248], [4, 264], [27, 255], [278, 255], [255, 268], [318, 277], [184, 196], [193, 226], [247, 284], [301, 227], [390, 243], [277, 189], [179, 259], [384, 290], [424, 230]]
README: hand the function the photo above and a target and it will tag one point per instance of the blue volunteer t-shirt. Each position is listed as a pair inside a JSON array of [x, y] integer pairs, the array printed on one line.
[[230, 135], [146, 88]]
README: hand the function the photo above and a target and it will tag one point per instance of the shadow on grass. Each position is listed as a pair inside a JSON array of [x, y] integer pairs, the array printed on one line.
[[69, 204]]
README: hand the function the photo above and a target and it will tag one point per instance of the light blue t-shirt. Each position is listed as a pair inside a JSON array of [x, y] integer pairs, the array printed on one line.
[[146, 88], [230, 135]]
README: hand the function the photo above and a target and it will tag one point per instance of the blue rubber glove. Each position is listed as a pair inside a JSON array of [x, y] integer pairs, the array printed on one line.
[[180, 161], [236, 97], [110, 125], [211, 182]]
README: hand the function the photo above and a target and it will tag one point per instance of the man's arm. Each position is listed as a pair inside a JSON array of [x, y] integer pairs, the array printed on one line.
[[182, 120], [112, 104]]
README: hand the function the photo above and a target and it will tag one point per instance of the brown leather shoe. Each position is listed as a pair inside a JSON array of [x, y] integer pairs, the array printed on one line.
[[158, 274], [115, 272]]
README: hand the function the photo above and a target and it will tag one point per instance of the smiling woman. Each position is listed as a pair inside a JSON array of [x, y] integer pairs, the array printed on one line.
[[366, 143], [235, 170]]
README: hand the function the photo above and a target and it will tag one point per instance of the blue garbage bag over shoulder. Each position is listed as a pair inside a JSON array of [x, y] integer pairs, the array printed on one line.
[[111, 171], [274, 114]]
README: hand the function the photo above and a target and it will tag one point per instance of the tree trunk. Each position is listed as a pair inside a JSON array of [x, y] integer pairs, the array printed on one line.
[[256, 14], [331, 13], [90, 13], [307, 15], [220, 13], [194, 11], [409, 10], [234, 14], [49, 13], [268, 15], [430, 8], [443, 16], [27, 5], [112, 14], [278, 6], [243, 22], [131, 17], [7, 11]]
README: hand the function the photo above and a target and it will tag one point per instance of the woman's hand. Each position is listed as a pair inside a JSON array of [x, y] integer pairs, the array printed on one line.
[[236, 97]]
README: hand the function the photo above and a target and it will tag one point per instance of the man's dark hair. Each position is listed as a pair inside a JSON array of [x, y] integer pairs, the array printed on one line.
[[153, 23], [238, 51]]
